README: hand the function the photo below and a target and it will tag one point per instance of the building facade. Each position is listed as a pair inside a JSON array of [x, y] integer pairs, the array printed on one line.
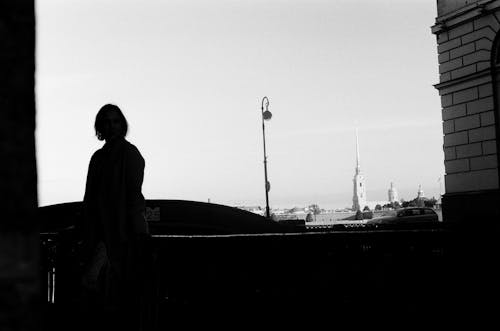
[[467, 34], [359, 187]]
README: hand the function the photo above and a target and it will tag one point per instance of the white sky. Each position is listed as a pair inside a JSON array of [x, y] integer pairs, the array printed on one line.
[[190, 76]]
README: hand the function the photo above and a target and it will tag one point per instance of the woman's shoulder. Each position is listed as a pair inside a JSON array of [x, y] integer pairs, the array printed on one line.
[[129, 146], [96, 155], [131, 149]]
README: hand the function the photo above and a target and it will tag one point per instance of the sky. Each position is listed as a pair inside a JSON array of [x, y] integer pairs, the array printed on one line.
[[190, 76]]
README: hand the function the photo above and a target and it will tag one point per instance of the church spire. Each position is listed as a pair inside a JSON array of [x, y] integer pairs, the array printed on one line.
[[420, 193], [358, 167], [359, 189]]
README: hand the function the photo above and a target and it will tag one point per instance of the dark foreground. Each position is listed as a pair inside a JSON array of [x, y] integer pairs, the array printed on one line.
[[419, 276]]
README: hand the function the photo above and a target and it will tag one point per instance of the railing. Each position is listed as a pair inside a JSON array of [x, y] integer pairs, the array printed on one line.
[[401, 272]]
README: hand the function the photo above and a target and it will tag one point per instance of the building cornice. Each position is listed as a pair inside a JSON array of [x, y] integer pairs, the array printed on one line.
[[465, 81], [464, 14]]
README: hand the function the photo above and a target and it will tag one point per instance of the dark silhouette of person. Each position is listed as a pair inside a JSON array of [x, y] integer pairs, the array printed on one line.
[[115, 232]]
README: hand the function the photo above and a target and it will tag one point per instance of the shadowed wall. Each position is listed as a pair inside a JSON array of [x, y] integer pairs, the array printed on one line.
[[19, 239]]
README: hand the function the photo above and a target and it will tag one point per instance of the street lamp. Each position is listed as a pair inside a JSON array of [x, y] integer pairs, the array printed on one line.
[[266, 115]]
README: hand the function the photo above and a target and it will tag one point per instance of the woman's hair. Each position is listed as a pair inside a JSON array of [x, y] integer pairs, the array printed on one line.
[[101, 116]]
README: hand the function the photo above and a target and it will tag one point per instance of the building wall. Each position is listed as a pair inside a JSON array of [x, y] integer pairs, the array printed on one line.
[[445, 7], [466, 34], [19, 238]]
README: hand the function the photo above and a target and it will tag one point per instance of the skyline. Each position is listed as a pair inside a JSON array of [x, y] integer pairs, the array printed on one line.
[[190, 76]]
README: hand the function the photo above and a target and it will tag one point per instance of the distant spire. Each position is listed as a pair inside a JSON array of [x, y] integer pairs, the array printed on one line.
[[359, 196], [358, 167], [420, 193], [393, 193]]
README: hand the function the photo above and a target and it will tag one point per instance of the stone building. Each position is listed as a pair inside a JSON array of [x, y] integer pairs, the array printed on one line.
[[467, 34]]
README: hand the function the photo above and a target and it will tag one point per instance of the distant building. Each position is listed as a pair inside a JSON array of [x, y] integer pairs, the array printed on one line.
[[253, 209], [294, 214], [392, 194], [359, 191], [420, 193], [420, 200]]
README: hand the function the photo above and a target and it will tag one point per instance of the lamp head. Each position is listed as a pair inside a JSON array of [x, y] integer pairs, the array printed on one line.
[[267, 115]]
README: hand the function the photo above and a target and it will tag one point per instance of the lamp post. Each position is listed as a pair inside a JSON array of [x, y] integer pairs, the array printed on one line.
[[266, 115]]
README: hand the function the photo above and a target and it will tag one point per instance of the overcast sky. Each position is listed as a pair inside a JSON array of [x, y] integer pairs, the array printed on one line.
[[190, 76]]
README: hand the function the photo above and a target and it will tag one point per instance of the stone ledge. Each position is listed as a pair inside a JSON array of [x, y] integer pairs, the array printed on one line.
[[472, 207]]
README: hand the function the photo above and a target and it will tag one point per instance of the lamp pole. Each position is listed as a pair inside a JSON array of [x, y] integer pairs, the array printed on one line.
[[266, 115]]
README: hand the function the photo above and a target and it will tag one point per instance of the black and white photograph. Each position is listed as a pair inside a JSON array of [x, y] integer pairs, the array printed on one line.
[[233, 163]]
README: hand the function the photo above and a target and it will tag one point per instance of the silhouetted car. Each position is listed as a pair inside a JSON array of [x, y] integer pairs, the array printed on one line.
[[412, 217]]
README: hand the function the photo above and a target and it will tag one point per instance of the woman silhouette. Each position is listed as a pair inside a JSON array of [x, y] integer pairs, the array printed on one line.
[[115, 229]]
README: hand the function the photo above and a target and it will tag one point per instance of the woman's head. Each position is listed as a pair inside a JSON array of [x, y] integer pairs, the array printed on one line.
[[110, 123]]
